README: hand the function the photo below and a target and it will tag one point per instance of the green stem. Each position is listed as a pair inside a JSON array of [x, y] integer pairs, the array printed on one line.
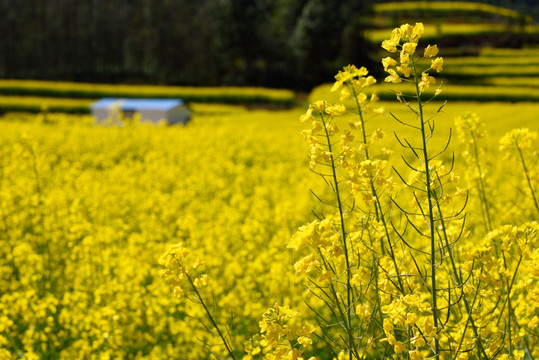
[[431, 212], [377, 207], [469, 308], [345, 244], [214, 324], [483, 196], [333, 292], [527, 176], [468, 320], [363, 131]]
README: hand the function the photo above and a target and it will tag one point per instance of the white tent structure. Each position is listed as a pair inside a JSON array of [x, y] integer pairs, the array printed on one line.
[[172, 111]]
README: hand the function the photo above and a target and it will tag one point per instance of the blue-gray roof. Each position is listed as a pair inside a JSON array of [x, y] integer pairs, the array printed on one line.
[[130, 104]]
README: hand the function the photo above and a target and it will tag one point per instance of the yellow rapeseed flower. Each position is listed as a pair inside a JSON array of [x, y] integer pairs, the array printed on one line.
[[431, 51], [393, 77], [404, 57], [387, 62], [437, 64], [390, 45], [409, 48], [426, 80], [404, 69]]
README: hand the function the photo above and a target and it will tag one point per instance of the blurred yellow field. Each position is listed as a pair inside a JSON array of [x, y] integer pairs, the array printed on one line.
[[87, 211]]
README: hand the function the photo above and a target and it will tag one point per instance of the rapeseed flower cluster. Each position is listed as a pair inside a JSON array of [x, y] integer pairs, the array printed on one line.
[[281, 337], [404, 40], [413, 276], [176, 268]]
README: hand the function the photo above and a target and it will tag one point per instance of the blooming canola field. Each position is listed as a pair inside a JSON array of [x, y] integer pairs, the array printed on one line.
[[349, 229], [86, 211]]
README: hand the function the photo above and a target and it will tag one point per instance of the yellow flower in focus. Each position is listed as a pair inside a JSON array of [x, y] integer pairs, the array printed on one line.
[[431, 51], [308, 116], [437, 64], [362, 98], [356, 72], [396, 35], [369, 80], [336, 110], [393, 77], [390, 46], [426, 80], [319, 105], [417, 32], [306, 264], [404, 69], [348, 74], [279, 335], [387, 62], [406, 31], [409, 48], [404, 57]]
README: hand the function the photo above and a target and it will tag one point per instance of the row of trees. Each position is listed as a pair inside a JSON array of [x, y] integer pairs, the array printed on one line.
[[276, 43]]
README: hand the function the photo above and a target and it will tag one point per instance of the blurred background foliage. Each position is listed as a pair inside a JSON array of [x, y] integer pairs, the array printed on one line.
[[273, 43]]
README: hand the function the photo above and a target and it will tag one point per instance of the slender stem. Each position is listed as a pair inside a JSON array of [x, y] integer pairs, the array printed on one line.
[[345, 245], [509, 335], [527, 176], [364, 134], [363, 131], [468, 320], [431, 211], [483, 195], [469, 308], [214, 324], [509, 288], [377, 207], [333, 292]]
